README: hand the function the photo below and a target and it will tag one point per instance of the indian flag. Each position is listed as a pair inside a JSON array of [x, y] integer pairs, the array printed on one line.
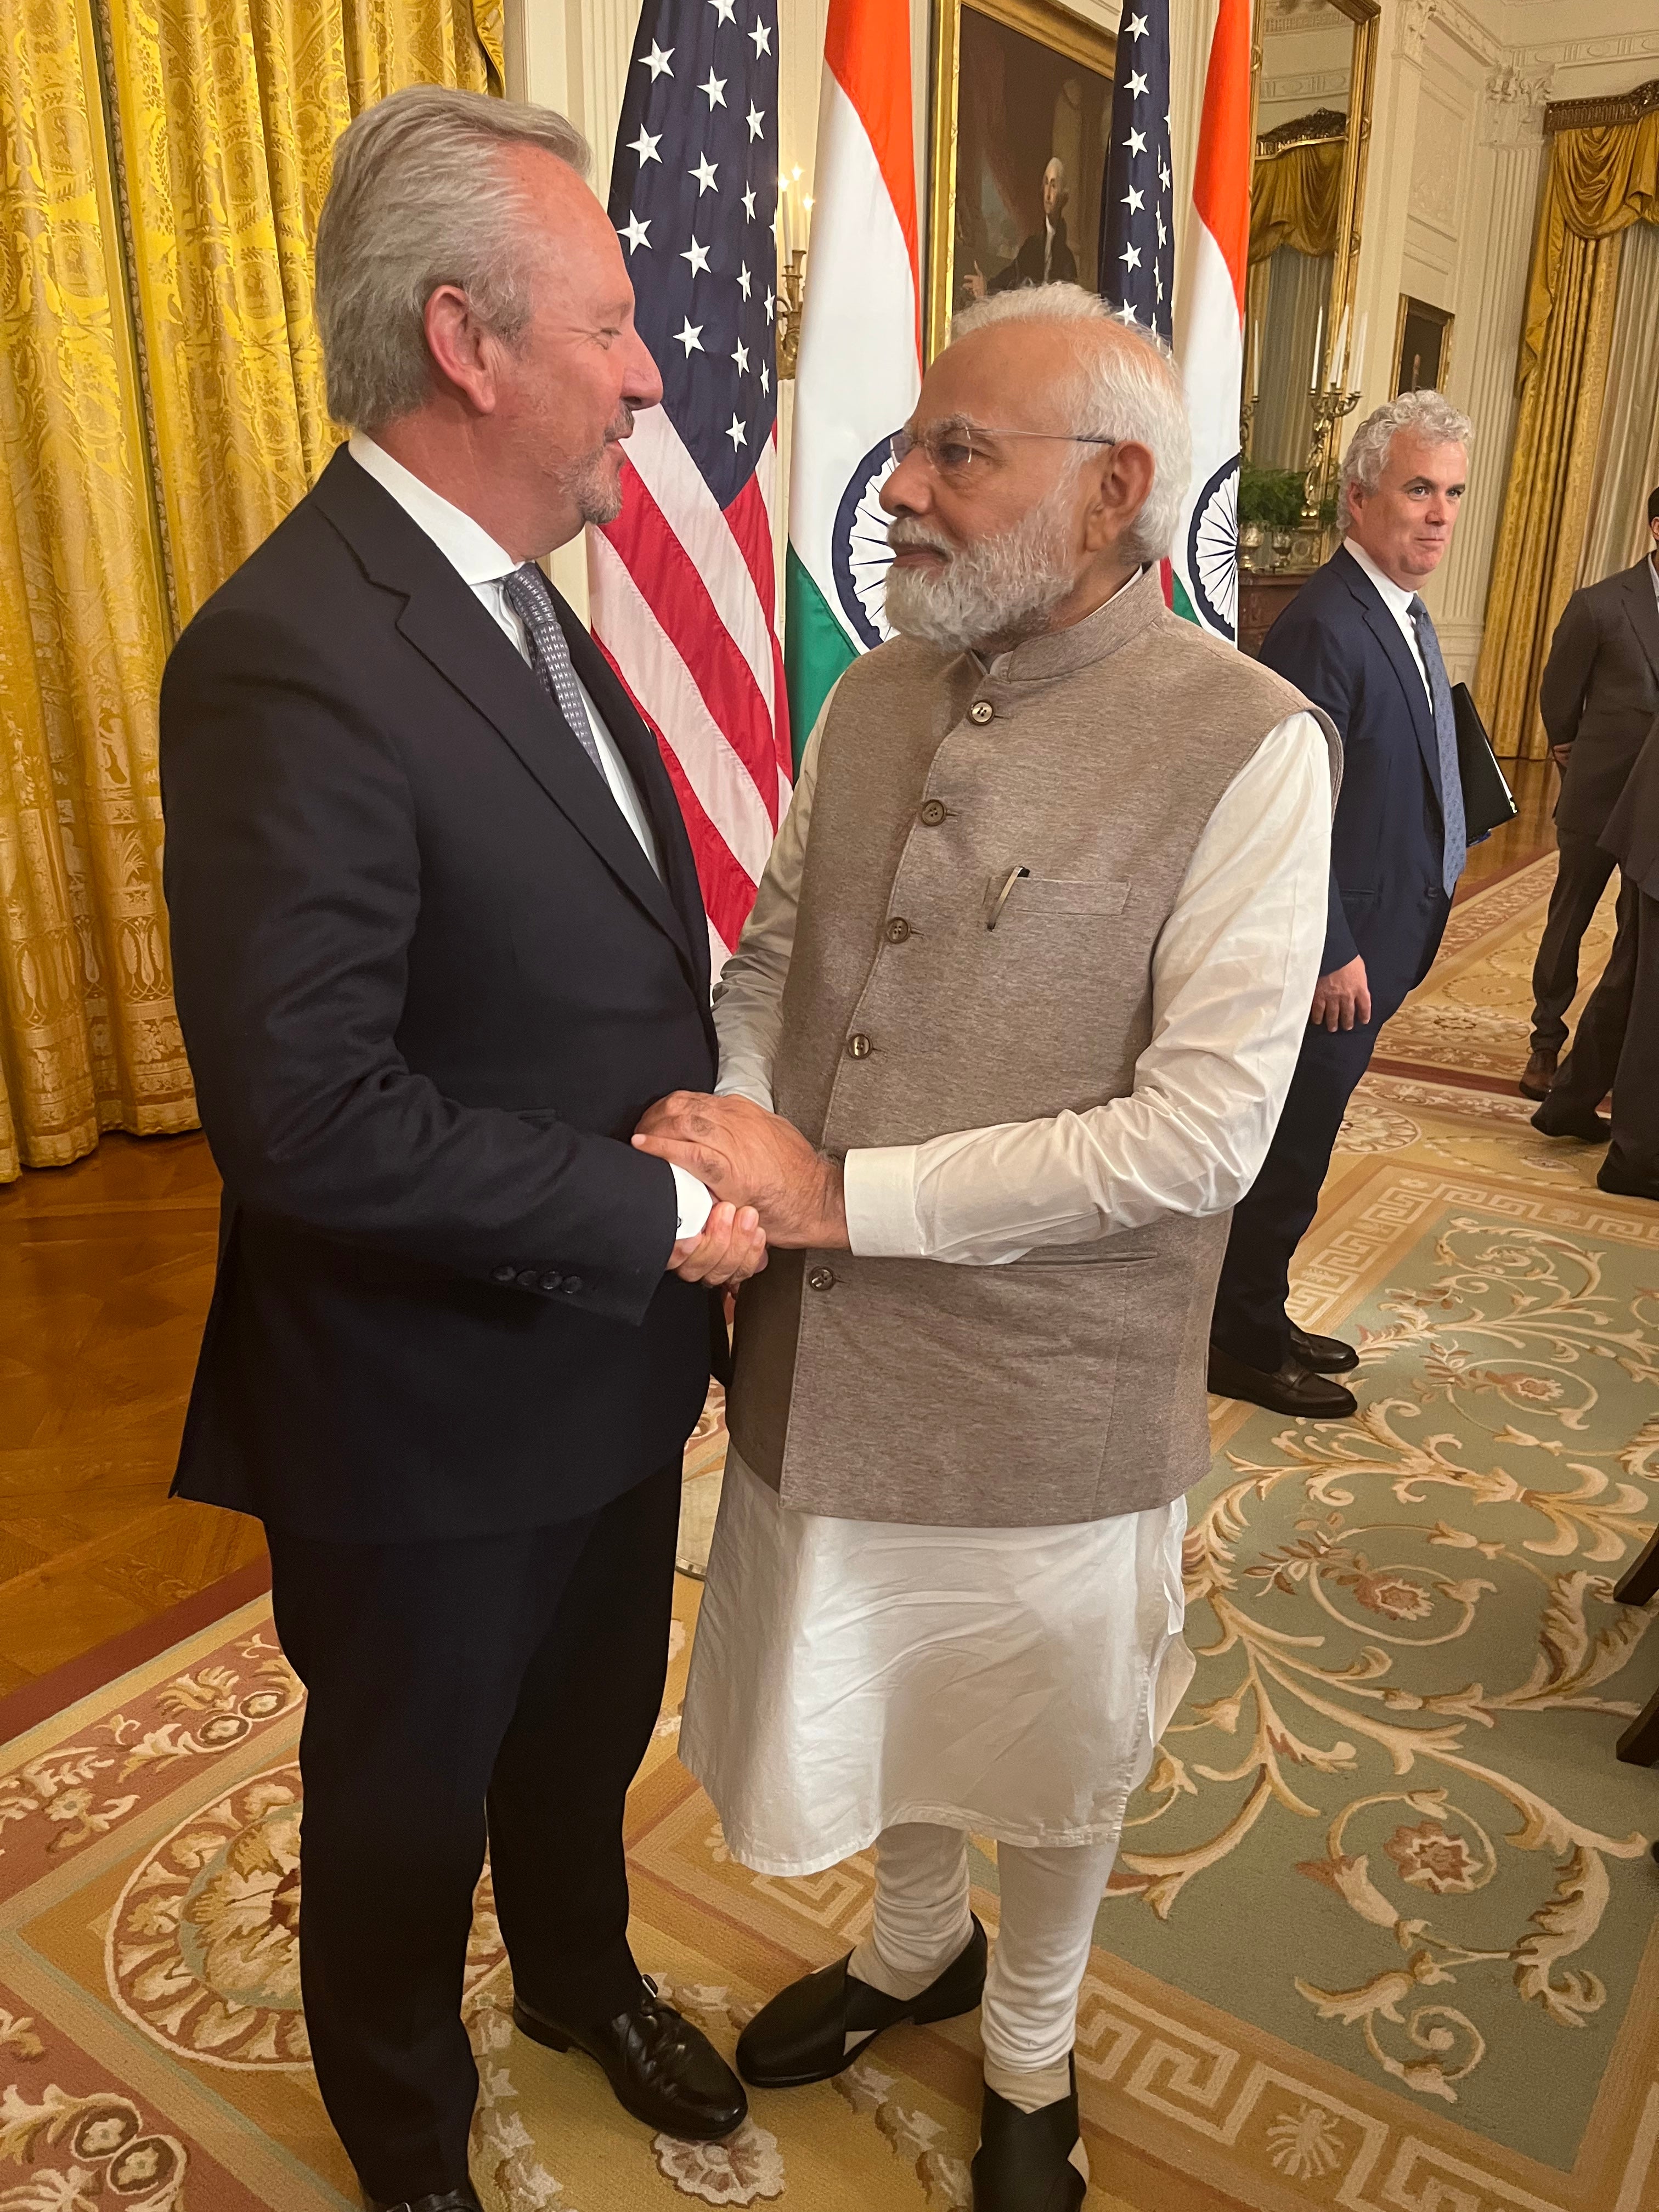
[[1209, 332], [858, 367]]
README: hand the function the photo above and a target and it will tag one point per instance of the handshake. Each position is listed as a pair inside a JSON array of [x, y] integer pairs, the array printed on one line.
[[770, 1186]]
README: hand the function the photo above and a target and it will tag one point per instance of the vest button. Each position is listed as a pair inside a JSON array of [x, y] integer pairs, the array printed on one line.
[[897, 930], [981, 711], [859, 1045], [933, 811], [821, 1279], [507, 1273]]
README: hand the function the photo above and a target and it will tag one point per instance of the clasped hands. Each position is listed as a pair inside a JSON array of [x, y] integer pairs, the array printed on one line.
[[770, 1186]]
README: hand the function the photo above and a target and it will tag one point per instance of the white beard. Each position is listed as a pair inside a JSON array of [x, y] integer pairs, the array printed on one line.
[[1001, 590]]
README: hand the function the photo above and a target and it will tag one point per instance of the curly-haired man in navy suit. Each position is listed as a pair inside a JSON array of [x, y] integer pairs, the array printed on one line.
[[1357, 640]]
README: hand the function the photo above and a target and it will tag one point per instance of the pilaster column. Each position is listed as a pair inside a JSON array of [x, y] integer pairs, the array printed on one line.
[[1486, 352]]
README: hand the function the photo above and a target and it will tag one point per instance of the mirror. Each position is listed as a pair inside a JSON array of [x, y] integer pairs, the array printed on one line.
[[1304, 351]]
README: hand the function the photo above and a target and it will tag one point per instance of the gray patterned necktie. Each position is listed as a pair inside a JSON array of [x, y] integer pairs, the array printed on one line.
[[1445, 732], [528, 596]]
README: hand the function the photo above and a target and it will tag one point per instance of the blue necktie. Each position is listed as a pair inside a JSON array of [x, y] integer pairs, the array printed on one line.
[[1445, 732], [527, 594]]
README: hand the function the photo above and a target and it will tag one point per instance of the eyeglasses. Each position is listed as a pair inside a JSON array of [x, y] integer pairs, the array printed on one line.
[[950, 449]]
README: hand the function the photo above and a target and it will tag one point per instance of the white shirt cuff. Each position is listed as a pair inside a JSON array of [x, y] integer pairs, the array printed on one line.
[[880, 1188], [696, 1203]]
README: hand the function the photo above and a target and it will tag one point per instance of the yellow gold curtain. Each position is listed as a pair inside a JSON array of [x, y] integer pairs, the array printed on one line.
[[161, 408], [226, 118], [87, 1036], [1601, 181], [1295, 200]]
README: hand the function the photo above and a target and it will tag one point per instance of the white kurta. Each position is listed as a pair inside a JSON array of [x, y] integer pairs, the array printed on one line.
[[850, 1675]]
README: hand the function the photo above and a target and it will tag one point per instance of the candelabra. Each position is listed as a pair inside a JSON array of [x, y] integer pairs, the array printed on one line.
[[1329, 407], [792, 290]]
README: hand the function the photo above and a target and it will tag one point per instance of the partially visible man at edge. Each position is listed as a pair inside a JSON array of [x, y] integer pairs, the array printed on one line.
[[1025, 978], [1598, 698], [1358, 639], [438, 944]]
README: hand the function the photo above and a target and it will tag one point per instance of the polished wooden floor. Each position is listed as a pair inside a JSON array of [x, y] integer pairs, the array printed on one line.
[[105, 1269]]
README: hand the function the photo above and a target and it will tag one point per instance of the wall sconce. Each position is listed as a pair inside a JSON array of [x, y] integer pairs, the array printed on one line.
[[792, 290]]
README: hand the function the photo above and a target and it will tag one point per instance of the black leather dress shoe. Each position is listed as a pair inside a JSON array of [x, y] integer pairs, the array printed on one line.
[[1292, 1389], [1538, 1075], [1323, 1355], [1555, 1120], [821, 2023], [1029, 2161], [446, 2200], [662, 2070], [1611, 1177]]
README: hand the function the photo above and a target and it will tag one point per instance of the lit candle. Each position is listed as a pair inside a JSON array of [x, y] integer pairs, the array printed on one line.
[[783, 209], [1360, 357], [1319, 349], [1340, 352]]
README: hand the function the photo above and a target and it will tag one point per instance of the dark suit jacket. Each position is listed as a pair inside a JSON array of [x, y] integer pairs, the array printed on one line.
[[428, 982], [1632, 835], [1600, 691], [1026, 267], [1338, 643]]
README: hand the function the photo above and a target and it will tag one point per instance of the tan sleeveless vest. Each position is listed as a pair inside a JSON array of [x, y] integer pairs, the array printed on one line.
[[1069, 1385]]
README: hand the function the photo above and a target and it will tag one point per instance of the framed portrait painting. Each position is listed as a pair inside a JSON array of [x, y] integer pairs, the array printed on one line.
[[1021, 122], [1422, 347]]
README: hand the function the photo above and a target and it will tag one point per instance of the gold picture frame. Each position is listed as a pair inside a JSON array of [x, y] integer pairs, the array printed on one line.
[[1060, 33], [1421, 331]]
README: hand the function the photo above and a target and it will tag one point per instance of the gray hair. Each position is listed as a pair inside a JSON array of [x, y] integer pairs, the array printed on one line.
[[420, 197], [1125, 390], [1429, 416]]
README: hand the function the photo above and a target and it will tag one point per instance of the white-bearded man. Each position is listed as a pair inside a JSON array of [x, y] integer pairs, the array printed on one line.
[[1024, 984]]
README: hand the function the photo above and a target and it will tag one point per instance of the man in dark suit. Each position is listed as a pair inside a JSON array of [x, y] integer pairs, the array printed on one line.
[[1357, 640], [1598, 699], [1045, 257], [439, 944], [1616, 1046]]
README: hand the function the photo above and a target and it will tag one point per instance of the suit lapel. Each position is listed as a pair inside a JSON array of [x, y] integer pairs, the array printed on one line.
[[1644, 609], [636, 742], [1386, 632], [445, 623]]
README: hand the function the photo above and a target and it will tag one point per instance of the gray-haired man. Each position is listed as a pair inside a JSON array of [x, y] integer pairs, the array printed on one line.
[[1024, 984], [1358, 639], [438, 943]]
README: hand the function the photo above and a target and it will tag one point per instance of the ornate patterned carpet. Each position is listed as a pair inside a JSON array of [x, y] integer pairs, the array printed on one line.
[[1469, 1022], [1383, 1934]]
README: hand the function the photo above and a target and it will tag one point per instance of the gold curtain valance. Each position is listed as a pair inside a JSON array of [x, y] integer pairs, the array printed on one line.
[[1296, 198], [1601, 181]]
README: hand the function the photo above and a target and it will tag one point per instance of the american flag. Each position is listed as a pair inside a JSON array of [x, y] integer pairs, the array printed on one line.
[[682, 588], [1137, 202]]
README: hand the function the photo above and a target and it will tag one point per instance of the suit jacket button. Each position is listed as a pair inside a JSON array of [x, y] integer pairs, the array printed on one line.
[[859, 1045], [821, 1279], [933, 811], [552, 1282], [505, 1273], [980, 712], [573, 1284], [897, 930], [529, 1279]]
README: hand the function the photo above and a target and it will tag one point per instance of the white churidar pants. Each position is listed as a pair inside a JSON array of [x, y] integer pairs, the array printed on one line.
[[1049, 1899]]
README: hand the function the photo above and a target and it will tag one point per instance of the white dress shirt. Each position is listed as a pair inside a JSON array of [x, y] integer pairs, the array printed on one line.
[[1398, 601], [481, 564], [850, 1675]]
